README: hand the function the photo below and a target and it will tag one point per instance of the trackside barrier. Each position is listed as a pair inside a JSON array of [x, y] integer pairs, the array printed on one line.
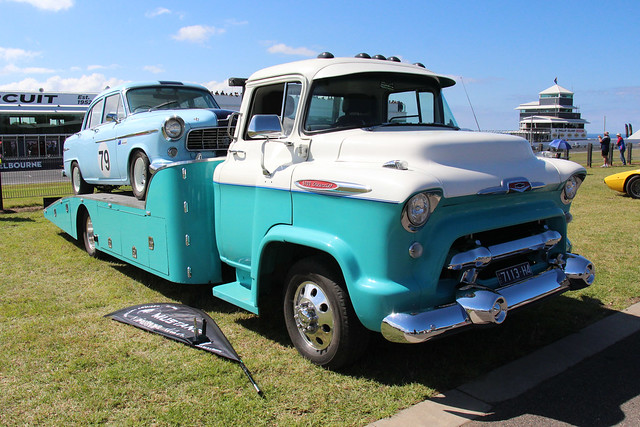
[[32, 177]]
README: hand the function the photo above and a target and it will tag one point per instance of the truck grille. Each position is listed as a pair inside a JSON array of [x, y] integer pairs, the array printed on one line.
[[497, 237], [208, 139]]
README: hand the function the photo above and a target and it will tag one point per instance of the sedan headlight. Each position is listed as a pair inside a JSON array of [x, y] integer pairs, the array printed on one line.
[[570, 189], [173, 128], [418, 209]]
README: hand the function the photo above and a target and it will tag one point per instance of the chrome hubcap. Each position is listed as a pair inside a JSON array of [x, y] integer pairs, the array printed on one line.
[[75, 179], [139, 174], [91, 240], [313, 315]]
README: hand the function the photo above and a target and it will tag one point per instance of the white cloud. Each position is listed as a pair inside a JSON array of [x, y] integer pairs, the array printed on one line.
[[13, 69], [102, 67], [12, 54], [157, 12], [91, 83], [215, 86], [52, 5], [155, 69], [288, 50], [197, 33], [234, 22]]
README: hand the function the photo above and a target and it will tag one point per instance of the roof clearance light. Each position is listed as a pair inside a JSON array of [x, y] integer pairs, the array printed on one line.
[[325, 55], [393, 59], [381, 57], [363, 55]]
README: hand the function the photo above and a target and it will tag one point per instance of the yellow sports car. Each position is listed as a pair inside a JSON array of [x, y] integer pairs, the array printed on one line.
[[626, 182]]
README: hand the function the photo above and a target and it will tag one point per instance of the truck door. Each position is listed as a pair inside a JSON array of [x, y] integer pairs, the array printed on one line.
[[254, 183]]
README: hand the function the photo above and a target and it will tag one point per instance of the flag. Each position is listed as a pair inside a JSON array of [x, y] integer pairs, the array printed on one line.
[[555, 80], [184, 324]]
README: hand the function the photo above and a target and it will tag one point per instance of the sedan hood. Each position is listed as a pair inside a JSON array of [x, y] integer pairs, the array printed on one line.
[[193, 118]]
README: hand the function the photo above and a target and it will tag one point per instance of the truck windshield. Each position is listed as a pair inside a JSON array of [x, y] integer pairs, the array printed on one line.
[[165, 98], [374, 99]]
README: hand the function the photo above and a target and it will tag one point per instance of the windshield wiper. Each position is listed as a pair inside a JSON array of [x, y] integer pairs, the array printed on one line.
[[173, 101]]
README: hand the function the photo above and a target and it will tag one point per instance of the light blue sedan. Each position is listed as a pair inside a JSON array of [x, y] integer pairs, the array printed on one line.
[[132, 130]]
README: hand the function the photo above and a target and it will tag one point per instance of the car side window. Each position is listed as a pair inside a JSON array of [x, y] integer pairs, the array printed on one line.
[[280, 99], [95, 115], [113, 105]]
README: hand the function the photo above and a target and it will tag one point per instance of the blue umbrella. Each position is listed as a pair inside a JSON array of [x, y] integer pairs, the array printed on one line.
[[560, 144]]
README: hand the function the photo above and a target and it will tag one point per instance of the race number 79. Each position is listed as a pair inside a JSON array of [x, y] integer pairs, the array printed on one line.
[[104, 160]]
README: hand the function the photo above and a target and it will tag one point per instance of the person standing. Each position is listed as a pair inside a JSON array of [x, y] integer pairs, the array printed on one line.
[[622, 147], [604, 148]]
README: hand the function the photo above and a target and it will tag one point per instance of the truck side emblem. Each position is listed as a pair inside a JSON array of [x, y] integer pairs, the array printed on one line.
[[331, 187], [314, 184]]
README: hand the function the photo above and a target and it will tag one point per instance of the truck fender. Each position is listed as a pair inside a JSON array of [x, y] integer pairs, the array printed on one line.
[[314, 239]]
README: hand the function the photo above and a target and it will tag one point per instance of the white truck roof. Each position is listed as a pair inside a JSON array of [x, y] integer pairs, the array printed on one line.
[[330, 67]]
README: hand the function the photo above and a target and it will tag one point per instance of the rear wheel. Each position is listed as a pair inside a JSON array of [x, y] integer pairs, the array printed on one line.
[[632, 187], [139, 174], [78, 183], [319, 317], [88, 237]]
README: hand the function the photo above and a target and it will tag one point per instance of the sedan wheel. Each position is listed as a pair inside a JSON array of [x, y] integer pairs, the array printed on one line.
[[78, 183], [139, 174]]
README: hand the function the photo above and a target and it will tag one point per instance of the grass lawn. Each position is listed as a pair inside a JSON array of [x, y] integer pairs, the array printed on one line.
[[62, 362]]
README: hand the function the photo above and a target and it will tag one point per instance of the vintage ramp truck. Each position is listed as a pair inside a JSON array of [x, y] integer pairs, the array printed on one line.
[[350, 196]]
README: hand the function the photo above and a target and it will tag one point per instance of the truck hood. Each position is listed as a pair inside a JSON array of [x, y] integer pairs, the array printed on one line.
[[460, 163]]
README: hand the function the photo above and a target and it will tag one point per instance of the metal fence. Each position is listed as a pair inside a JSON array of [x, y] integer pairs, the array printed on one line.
[[32, 177]]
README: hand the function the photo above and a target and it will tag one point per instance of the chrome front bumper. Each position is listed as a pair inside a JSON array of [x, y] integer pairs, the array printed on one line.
[[476, 305]]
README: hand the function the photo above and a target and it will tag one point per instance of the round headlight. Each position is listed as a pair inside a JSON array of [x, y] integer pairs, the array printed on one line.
[[418, 210], [570, 189], [173, 127]]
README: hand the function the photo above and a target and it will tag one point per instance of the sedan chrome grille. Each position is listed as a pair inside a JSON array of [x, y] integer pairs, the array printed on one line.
[[208, 139]]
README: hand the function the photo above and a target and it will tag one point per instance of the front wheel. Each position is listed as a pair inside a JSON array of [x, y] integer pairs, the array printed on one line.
[[139, 174], [80, 186], [632, 187], [319, 317]]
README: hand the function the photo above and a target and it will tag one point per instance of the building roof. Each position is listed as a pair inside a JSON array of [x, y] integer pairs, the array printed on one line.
[[537, 106], [556, 89], [548, 119]]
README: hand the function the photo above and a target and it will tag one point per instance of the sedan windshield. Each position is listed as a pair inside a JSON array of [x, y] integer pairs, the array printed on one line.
[[165, 98], [373, 99]]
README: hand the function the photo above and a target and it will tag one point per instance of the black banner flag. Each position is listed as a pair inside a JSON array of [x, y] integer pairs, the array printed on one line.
[[182, 323]]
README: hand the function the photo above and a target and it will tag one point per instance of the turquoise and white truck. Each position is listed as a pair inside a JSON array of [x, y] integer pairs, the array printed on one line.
[[349, 193]]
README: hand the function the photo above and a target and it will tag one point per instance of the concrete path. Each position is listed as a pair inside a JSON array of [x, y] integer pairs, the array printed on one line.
[[494, 397]]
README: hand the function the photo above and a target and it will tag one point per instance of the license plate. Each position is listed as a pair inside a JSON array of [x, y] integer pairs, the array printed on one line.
[[513, 274]]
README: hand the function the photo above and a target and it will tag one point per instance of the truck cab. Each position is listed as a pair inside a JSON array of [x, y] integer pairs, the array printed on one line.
[[350, 190]]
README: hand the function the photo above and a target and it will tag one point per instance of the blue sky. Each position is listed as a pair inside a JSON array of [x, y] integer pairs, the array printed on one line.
[[505, 52]]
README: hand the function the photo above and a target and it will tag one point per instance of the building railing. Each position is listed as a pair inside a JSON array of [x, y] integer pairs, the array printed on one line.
[[27, 146]]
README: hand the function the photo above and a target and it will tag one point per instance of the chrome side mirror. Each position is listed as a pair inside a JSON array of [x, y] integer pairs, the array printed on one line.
[[265, 126], [112, 117]]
